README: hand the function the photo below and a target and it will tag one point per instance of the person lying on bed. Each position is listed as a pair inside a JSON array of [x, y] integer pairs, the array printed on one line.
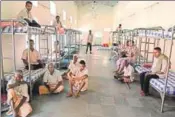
[[35, 61], [78, 81], [53, 82], [18, 97], [158, 70], [72, 67], [26, 15]]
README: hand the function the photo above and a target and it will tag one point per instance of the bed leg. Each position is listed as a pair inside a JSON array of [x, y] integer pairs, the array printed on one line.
[[163, 100]]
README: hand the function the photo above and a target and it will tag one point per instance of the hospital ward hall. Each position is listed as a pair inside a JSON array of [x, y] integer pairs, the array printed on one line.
[[87, 58]]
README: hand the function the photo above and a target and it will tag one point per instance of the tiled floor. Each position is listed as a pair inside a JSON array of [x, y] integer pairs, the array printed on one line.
[[106, 97]]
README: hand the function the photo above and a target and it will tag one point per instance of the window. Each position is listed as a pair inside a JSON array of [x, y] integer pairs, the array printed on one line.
[[107, 29], [64, 15], [98, 34], [51, 22], [35, 19], [52, 8], [71, 19], [35, 3], [64, 26]]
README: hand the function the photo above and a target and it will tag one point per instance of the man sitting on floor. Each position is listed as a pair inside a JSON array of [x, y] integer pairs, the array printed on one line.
[[53, 82], [72, 67], [35, 61], [18, 96], [127, 74], [158, 70], [78, 81]]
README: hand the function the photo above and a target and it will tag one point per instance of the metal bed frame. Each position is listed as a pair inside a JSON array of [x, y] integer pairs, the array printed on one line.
[[166, 37], [147, 34], [44, 30]]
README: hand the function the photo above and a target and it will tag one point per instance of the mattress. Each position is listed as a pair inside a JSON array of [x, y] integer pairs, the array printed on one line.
[[23, 29], [35, 74], [141, 69], [159, 84]]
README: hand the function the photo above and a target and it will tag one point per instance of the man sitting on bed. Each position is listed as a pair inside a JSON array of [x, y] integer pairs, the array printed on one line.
[[34, 58], [26, 15], [72, 67], [53, 82], [79, 80], [18, 97], [158, 70]]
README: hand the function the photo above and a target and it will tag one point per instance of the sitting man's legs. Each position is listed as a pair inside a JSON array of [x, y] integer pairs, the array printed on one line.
[[148, 77], [58, 90], [142, 78], [44, 90], [19, 106], [71, 84]]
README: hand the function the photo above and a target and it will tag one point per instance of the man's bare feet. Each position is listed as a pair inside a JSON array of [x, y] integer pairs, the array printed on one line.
[[69, 95]]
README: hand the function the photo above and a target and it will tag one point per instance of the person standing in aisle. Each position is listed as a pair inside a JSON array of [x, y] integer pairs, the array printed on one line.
[[89, 42]]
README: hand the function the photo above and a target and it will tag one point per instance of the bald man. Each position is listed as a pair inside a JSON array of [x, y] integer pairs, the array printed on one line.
[[18, 97], [72, 67], [53, 82]]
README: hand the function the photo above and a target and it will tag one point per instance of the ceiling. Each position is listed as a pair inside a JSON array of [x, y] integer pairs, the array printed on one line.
[[106, 3]]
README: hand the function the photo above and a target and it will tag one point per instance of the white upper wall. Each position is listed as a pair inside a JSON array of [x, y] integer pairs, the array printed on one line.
[[103, 19], [134, 14]]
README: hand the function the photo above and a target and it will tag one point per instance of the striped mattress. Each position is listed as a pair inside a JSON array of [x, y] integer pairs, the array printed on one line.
[[35, 74], [159, 84]]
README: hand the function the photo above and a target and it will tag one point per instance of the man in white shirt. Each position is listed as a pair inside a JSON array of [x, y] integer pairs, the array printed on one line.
[[89, 42], [18, 97], [53, 82], [128, 72], [35, 61], [158, 70], [26, 15], [78, 81], [73, 66], [127, 75]]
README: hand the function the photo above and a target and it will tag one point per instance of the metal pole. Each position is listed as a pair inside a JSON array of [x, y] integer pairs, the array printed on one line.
[[167, 73], [13, 47], [1, 66], [147, 55], [163, 41], [29, 62], [145, 46]]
